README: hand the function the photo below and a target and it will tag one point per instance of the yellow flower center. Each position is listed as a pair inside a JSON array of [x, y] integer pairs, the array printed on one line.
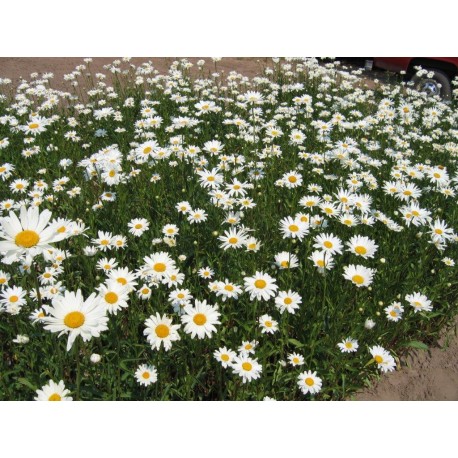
[[170, 231], [378, 359], [309, 381], [260, 284], [138, 226], [55, 397], [162, 331], [34, 125], [293, 228], [112, 173], [200, 319], [147, 150], [14, 299], [437, 231], [320, 263], [146, 375], [328, 244], [2, 169], [229, 288], [111, 297], [417, 304], [268, 324], [246, 366], [122, 281], [159, 267], [225, 357], [210, 178], [358, 279], [41, 315], [27, 239], [329, 210], [296, 360], [292, 179], [288, 300], [233, 240], [248, 347], [361, 250], [74, 320], [310, 203], [348, 345], [284, 264], [104, 242], [145, 291], [393, 313]]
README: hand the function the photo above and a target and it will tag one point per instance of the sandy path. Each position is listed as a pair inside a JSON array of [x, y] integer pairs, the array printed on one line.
[[17, 67], [430, 375], [423, 375]]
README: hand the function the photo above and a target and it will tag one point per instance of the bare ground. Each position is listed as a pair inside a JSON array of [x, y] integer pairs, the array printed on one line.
[[430, 375], [423, 375]]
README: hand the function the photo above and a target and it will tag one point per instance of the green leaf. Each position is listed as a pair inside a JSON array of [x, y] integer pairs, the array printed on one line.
[[296, 343], [416, 344], [28, 384], [371, 361]]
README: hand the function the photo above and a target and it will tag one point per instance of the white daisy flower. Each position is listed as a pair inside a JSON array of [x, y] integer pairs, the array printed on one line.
[[362, 246], [359, 275], [200, 320], [160, 331], [224, 356], [394, 311], [329, 243], [295, 359], [138, 226], [348, 345], [419, 302], [114, 296], [247, 367], [309, 382], [382, 357], [53, 392], [260, 286], [29, 234], [73, 315], [146, 375], [288, 300]]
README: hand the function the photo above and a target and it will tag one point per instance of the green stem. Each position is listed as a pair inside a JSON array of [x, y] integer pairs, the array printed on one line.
[[78, 369], [37, 285]]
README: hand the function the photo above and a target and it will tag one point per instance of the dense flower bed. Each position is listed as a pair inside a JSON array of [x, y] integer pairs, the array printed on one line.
[[194, 236]]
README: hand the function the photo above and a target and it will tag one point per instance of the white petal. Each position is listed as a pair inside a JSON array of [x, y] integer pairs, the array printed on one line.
[[43, 220]]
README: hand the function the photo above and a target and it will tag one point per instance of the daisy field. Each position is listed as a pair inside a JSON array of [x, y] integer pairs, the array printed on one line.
[[197, 234]]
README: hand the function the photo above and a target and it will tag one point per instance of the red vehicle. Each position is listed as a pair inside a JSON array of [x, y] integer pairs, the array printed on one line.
[[437, 80]]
